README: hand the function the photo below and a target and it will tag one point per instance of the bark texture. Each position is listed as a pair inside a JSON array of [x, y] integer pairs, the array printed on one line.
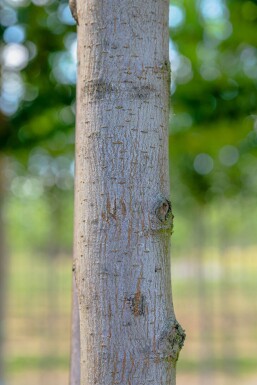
[[123, 216], [75, 339]]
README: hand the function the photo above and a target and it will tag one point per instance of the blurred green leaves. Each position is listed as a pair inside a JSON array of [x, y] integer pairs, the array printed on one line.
[[213, 127], [38, 76]]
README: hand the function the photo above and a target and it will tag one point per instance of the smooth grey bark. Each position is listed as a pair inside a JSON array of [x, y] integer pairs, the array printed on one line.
[[123, 218], [75, 339]]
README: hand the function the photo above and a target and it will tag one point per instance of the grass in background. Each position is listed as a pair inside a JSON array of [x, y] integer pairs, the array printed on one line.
[[217, 309]]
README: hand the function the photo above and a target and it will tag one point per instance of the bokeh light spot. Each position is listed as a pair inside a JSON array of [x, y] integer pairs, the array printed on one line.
[[15, 56], [203, 164], [14, 34], [8, 16], [65, 15], [176, 16], [228, 155], [212, 9]]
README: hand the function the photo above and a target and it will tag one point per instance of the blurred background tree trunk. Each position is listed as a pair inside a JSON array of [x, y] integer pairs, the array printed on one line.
[[123, 216], [75, 339], [2, 269]]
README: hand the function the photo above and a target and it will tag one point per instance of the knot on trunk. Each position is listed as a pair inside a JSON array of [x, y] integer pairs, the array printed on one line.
[[162, 216], [171, 341]]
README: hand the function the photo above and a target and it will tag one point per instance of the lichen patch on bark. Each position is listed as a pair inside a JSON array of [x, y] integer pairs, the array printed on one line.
[[171, 341], [137, 304]]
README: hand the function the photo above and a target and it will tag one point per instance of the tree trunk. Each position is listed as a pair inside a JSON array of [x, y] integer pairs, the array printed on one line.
[[123, 217], [75, 339], [3, 270]]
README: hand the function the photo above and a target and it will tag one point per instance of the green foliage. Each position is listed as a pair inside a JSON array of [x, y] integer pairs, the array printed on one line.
[[214, 103], [38, 81]]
